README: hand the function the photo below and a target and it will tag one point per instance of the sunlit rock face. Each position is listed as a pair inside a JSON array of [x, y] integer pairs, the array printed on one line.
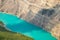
[[43, 13], [22, 7]]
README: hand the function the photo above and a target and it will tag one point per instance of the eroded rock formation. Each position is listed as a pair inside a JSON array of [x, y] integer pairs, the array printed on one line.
[[43, 13]]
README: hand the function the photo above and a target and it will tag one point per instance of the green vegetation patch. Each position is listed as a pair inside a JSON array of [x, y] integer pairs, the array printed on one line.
[[13, 36]]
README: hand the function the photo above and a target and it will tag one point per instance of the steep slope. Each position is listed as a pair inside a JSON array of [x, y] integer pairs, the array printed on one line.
[[43, 13]]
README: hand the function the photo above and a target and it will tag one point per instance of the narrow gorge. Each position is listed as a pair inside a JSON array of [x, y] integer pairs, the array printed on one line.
[[43, 13]]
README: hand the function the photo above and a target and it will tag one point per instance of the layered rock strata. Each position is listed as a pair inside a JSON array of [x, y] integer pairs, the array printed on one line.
[[43, 13]]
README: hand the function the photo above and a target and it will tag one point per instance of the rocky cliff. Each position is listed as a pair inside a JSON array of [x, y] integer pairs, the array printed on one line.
[[43, 13]]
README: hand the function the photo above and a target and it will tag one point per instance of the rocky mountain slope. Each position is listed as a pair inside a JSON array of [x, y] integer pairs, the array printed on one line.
[[43, 13]]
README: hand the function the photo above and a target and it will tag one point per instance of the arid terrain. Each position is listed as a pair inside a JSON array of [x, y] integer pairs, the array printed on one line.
[[45, 13]]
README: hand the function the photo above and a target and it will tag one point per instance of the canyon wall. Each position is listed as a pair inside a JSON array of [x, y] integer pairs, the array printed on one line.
[[43, 13]]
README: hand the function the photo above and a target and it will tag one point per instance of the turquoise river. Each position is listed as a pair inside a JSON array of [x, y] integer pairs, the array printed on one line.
[[18, 25]]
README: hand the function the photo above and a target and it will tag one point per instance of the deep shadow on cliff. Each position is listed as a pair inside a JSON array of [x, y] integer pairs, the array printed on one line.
[[44, 18]]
